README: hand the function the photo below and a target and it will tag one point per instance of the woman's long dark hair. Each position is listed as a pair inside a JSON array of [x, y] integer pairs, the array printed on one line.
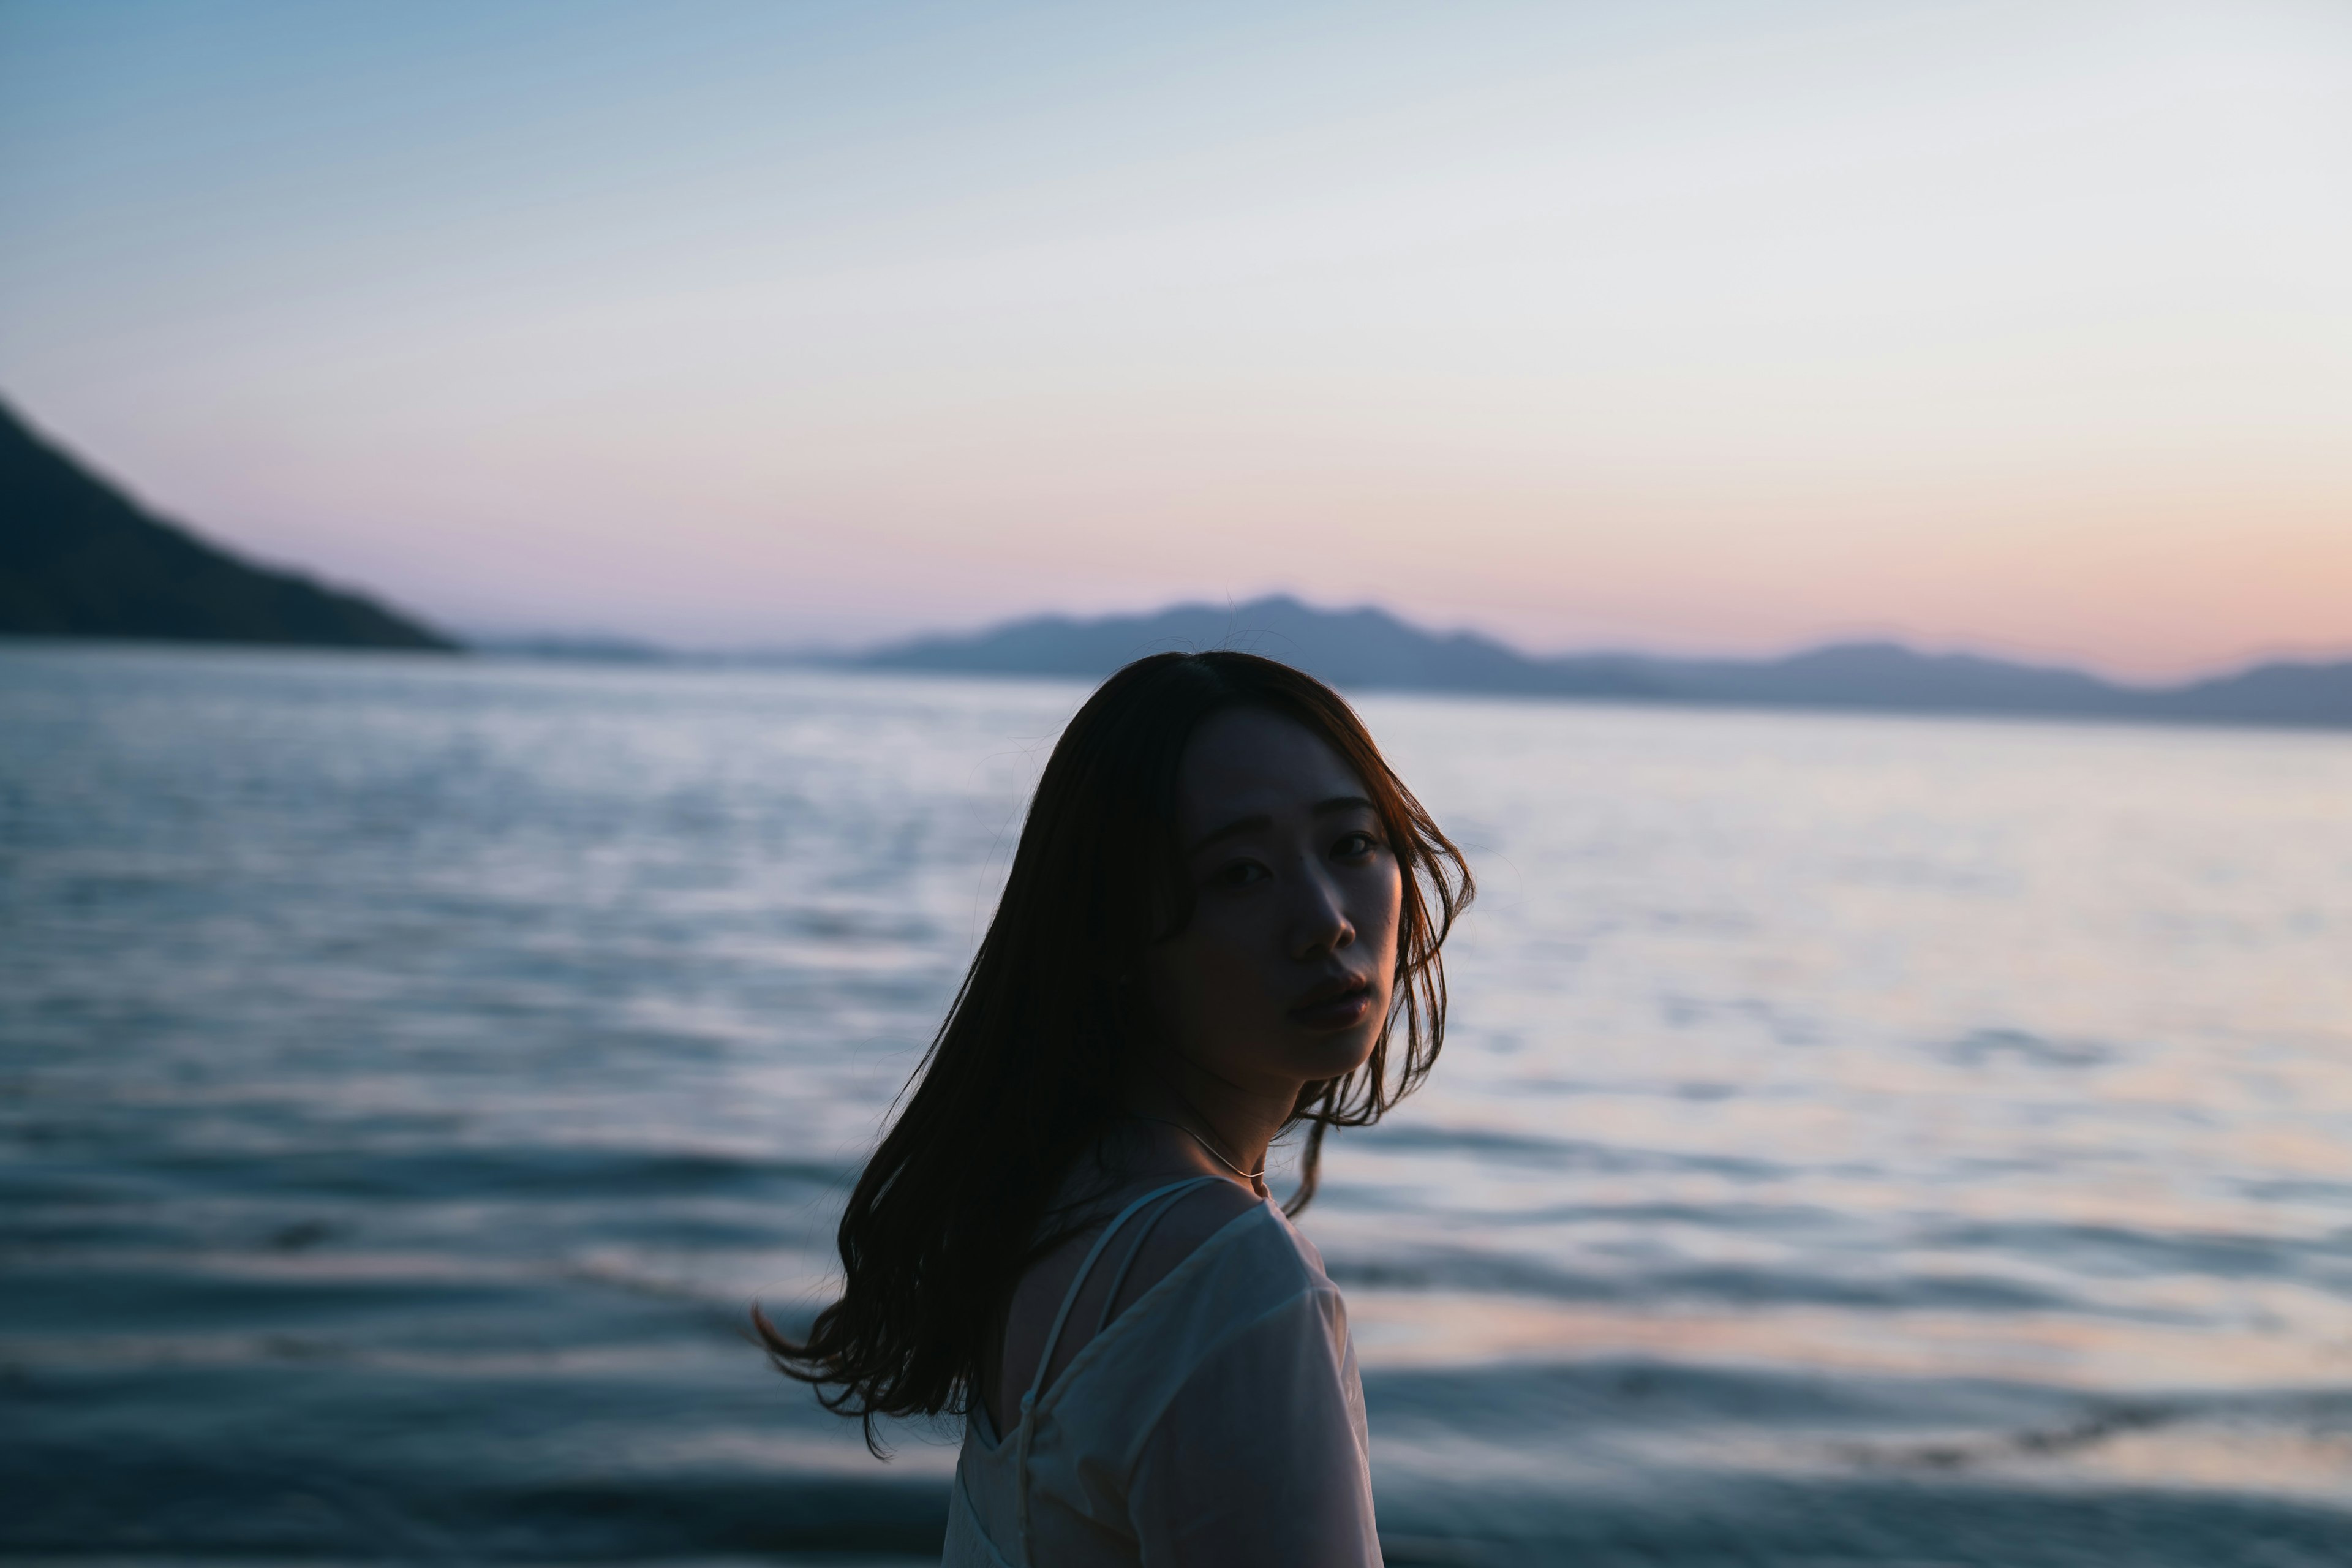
[[1025, 1074]]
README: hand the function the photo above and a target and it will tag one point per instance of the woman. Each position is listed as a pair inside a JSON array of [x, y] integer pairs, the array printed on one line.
[[1223, 919]]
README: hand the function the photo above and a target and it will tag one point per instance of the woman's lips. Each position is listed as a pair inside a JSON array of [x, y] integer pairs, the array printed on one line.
[[1344, 1010]]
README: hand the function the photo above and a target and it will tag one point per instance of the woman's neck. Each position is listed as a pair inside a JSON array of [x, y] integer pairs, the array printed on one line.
[[1228, 1129], [1143, 1149]]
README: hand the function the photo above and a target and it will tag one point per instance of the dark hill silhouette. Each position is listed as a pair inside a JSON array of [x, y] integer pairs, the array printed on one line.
[[78, 557], [1888, 676], [2266, 694], [1370, 649], [1364, 647]]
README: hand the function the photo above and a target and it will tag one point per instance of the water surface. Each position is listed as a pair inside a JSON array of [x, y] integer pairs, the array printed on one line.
[[1861, 1140]]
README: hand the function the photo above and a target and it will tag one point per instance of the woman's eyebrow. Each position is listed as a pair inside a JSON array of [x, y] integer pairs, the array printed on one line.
[[1343, 803], [1239, 825], [1261, 822]]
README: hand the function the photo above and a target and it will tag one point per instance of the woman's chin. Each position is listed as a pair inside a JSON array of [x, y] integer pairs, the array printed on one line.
[[1321, 1056]]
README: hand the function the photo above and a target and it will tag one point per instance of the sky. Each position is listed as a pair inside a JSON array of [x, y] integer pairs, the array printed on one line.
[[2024, 327]]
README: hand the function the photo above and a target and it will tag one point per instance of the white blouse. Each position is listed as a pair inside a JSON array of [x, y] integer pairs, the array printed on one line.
[[1219, 1420]]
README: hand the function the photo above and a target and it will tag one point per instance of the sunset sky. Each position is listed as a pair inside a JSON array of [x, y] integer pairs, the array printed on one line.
[[2018, 327]]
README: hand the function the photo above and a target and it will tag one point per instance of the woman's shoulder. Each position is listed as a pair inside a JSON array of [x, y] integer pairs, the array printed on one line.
[[1219, 1258], [1235, 1284], [1192, 1219], [1215, 1257], [1218, 1231], [1254, 1242]]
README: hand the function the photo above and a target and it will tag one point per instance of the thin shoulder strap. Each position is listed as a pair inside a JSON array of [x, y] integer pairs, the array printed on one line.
[[1143, 1229], [1045, 1361], [1053, 1337]]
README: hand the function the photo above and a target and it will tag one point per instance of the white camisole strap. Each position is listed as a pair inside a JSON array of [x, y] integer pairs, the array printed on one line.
[[1053, 1338], [1143, 1229]]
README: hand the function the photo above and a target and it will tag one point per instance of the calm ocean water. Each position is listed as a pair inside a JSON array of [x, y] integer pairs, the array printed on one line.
[[1861, 1142]]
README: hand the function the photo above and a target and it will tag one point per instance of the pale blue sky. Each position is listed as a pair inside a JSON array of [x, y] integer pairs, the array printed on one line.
[[2019, 326]]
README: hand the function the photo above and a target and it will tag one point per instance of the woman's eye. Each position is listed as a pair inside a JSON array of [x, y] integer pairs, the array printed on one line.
[[1355, 846], [1238, 874]]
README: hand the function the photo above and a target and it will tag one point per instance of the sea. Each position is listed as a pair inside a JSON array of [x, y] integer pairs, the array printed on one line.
[[1860, 1140]]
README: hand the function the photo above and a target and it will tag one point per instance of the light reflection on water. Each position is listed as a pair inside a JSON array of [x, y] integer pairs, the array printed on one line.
[[1861, 1139]]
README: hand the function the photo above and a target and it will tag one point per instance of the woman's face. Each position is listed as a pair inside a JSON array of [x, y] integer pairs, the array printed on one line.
[[1282, 976]]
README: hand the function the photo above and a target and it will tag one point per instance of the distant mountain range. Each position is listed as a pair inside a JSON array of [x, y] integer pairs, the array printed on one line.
[[78, 557], [1369, 649]]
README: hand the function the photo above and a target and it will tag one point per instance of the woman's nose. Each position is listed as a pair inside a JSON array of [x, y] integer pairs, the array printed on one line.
[[1320, 924]]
